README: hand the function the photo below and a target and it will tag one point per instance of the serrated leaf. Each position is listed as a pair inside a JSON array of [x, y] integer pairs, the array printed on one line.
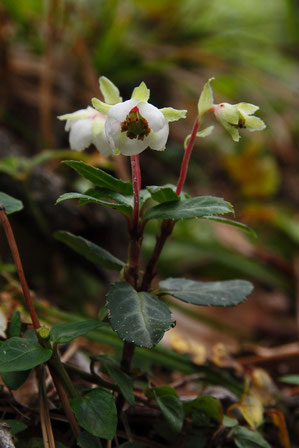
[[91, 251], [244, 438], [190, 208], [14, 380], [96, 412], [109, 91], [226, 293], [141, 93], [140, 318], [170, 406], [206, 100], [165, 193], [210, 406], [18, 354], [10, 204], [99, 177], [124, 381], [100, 106], [173, 114], [86, 199], [230, 222], [68, 331]]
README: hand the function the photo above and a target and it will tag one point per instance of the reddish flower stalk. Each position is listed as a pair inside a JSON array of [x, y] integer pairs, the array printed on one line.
[[186, 158], [17, 259], [136, 180]]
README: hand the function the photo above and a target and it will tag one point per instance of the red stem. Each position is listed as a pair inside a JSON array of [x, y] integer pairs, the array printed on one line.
[[17, 259], [136, 179], [186, 158]]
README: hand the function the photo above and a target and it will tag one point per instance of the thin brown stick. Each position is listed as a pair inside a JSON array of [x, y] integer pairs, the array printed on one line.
[[47, 431], [17, 259]]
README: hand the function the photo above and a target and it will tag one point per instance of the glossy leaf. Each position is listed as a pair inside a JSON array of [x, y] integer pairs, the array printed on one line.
[[85, 199], [14, 380], [170, 406], [99, 177], [124, 381], [190, 208], [123, 203], [244, 438], [10, 204], [15, 325], [91, 251], [140, 318], [225, 293], [96, 412], [166, 193], [208, 405], [68, 331], [18, 354]]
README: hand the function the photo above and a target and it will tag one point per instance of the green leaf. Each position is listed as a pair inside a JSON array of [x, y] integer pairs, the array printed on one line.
[[86, 440], [91, 251], [140, 318], [67, 331], [109, 91], [16, 426], [14, 380], [124, 381], [15, 325], [173, 114], [290, 379], [86, 199], [99, 177], [190, 208], [229, 422], [230, 222], [122, 203], [170, 406], [210, 406], [166, 193], [206, 100], [244, 438], [141, 93], [226, 293], [10, 204], [96, 412], [100, 106], [22, 354]]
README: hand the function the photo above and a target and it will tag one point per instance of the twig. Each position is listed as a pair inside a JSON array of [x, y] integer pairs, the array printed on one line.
[[47, 431]]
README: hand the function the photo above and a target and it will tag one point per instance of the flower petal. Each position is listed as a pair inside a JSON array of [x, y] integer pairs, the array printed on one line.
[[80, 134], [101, 143], [81, 113], [130, 147], [157, 140], [119, 111], [98, 125], [153, 115]]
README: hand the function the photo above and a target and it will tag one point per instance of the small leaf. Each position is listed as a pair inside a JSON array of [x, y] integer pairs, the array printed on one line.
[[124, 381], [67, 331], [210, 406], [170, 406], [14, 380], [173, 114], [140, 318], [230, 222], [18, 354], [166, 193], [226, 293], [122, 203], [206, 100], [16, 426], [109, 91], [99, 177], [100, 106], [244, 438], [14, 327], [86, 199], [91, 251], [189, 208], [10, 204], [141, 93], [96, 412], [86, 440]]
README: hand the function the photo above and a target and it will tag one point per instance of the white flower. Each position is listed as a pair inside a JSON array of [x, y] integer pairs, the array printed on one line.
[[86, 127], [133, 125]]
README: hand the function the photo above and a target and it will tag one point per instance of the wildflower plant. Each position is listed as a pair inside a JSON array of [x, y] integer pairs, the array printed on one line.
[[136, 310]]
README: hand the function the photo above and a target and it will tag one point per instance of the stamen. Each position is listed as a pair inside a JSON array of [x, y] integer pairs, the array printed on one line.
[[135, 125]]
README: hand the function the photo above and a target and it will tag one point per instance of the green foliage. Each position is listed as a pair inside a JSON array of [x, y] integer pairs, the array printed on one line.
[[86, 440], [67, 332], [91, 251], [226, 293], [85, 199], [18, 354], [244, 438], [96, 412], [170, 406], [197, 207], [140, 318], [166, 193], [14, 327], [14, 380], [10, 204], [121, 203], [210, 406], [290, 379], [205, 100], [99, 177], [124, 381], [16, 426], [230, 222]]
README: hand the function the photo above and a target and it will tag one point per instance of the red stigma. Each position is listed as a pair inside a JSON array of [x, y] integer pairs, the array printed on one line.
[[135, 109]]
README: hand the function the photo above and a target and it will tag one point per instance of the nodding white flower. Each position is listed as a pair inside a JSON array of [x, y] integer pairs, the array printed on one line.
[[133, 125], [86, 127]]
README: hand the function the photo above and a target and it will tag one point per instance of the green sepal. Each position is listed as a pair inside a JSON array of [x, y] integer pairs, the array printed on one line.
[[206, 99], [173, 114], [100, 106], [141, 93], [109, 91]]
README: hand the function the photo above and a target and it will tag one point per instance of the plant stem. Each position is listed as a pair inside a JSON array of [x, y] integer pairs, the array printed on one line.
[[185, 163], [136, 180], [60, 370], [167, 224], [17, 259]]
